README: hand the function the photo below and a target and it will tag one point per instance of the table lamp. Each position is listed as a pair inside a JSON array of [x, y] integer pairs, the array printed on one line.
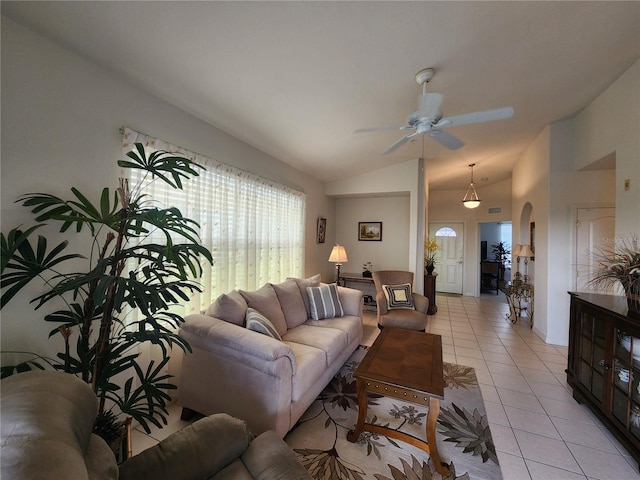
[[338, 256], [527, 253], [516, 253]]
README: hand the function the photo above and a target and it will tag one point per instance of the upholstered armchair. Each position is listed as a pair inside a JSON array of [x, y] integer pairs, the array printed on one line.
[[398, 305]]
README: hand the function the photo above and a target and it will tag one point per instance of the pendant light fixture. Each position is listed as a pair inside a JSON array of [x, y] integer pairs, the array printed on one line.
[[471, 199]]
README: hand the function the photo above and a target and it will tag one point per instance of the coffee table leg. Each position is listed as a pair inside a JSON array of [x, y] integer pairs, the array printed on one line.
[[353, 435], [432, 420]]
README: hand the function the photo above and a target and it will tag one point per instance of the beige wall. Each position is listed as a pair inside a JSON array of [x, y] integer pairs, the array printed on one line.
[[549, 179], [446, 206], [60, 122], [392, 253], [612, 124], [403, 179]]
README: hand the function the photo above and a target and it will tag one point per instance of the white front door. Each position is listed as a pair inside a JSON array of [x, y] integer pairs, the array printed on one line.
[[595, 230], [449, 257]]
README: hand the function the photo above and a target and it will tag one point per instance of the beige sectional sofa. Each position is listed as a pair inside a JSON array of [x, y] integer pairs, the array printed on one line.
[[267, 382], [46, 433]]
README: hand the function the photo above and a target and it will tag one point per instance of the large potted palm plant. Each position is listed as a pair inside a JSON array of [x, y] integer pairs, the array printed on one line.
[[123, 296]]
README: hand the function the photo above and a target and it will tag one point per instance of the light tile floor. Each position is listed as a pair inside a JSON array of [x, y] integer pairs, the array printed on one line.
[[540, 431]]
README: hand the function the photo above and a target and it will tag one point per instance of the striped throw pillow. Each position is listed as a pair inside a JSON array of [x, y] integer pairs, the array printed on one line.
[[399, 296], [324, 302], [261, 324]]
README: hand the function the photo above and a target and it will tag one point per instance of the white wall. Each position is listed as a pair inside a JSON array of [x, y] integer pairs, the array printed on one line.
[[60, 121], [612, 124], [530, 186], [548, 178], [446, 206]]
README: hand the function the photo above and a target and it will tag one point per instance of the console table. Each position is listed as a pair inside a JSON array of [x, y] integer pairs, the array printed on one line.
[[368, 288], [517, 294]]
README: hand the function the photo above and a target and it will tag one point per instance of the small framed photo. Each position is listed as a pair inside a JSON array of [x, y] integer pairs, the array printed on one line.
[[532, 238], [322, 229], [370, 231]]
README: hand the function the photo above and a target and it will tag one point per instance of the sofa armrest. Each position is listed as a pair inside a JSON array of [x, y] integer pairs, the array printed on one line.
[[351, 300], [270, 458], [211, 334], [421, 302], [197, 451]]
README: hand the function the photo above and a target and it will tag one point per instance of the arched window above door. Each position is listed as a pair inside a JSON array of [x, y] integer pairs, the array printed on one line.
[[446, 232]]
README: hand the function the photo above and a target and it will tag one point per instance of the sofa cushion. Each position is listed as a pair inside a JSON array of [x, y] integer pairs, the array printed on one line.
[[324, 302], [234, 471], [303, 283], [311, 363], [349, 324], [266, 302], [398, 296], [331, 341], [291, 302], [257, 322], [230, 307]]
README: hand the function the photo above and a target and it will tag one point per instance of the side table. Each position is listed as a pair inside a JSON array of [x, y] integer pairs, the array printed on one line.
[[368, 288], [517, 294], [430, 292]]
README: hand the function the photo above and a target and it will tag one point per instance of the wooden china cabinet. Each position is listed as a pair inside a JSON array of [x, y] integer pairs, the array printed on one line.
[[604, 363]]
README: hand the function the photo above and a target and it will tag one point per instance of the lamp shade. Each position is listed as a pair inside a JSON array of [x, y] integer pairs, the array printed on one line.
[[338, 255], [525, 251], [517, 250], [471, 199]]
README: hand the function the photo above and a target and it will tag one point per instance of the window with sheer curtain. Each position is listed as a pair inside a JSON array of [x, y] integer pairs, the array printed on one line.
[[253, 227]]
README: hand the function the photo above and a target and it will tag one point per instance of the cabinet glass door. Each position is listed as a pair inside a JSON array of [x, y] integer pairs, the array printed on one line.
[[591, 352], [626, 381]]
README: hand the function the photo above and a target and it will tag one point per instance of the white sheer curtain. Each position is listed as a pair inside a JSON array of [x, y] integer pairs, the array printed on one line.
[[253, 227]]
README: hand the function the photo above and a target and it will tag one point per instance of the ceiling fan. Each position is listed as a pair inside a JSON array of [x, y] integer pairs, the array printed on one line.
[[428, 120]]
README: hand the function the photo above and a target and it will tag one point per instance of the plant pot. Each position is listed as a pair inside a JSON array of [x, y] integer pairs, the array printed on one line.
[[366, 274], [430, 268]]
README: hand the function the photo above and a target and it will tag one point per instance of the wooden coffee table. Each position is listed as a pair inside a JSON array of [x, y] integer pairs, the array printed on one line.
[[403, 364]]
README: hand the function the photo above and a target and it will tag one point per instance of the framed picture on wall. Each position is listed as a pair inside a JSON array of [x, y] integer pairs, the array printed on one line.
[[532, 238], [370, 231], [322, 229]]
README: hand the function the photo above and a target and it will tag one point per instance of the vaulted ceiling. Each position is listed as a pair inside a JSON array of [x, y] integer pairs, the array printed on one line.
[[295, 79]]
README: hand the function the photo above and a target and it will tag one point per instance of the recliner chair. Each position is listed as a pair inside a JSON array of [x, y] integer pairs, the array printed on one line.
[[46, 432], [400, 316]]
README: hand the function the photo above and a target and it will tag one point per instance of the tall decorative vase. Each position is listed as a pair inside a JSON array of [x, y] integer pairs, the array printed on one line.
[[430, 268]]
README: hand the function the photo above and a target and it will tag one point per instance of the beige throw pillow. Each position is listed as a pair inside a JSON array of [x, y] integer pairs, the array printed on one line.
[[291, 302], [266, 302], [229, 307]]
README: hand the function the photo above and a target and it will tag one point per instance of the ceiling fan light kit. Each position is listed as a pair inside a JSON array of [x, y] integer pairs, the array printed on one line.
[[471, 199], [428, 119]]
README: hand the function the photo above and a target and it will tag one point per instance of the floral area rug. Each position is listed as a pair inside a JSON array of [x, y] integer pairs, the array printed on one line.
[[463, 435]]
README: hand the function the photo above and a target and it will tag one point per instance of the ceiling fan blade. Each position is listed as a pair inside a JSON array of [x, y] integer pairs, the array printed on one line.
[[476, 117], [376, 129], [400, 142], [446, 139]]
